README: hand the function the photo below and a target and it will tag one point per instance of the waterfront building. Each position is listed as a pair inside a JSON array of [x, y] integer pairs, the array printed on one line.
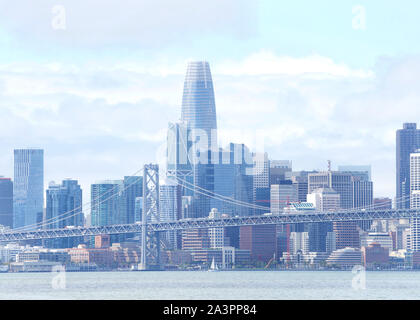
[[345, 257], [374, 254], [383, 239], [28, 188]]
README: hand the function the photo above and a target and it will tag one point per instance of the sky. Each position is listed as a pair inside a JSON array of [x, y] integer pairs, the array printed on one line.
[[95, 83]]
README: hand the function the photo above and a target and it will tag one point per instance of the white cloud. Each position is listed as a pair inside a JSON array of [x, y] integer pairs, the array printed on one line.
[[105, 121], [267, 63]]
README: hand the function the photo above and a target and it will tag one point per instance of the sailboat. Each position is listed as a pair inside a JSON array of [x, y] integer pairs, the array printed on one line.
[[213, 266]]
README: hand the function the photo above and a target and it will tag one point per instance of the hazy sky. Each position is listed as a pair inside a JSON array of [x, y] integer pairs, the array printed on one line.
[[95, 83]]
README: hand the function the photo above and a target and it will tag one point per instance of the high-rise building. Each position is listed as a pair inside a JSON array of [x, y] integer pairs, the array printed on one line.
[[6, 202], [233, 179], [108, 203], [278, 169], [198, 103], [64, 208], [179, 167], [133, 188], [339, 181], [415, 200], [382, 203], [170, 206], [138, 209], [260, 240], [199, 112], [281, 195], [261, 182], [299, 242], [323, 199], [363, 171], [408, 140], [28, 188]]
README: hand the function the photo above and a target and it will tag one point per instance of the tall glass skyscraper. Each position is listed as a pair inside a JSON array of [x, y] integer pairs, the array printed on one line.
[[64, 208], [133, 188], [28, 187], [108, 203], [198, 104], [199, 113], [6, 202], [234, 179], [408, 141]]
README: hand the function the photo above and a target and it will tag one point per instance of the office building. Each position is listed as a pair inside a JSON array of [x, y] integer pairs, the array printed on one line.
[[63, 209], [234, 181], [278, 169], [282, 195], [415, 199], [133, 188], [299, 242], [339, 181], [108, 203], [28, 188], [261, 182], [407, 142], [260, 240], [6, 202], [199, 112], [170, 206]]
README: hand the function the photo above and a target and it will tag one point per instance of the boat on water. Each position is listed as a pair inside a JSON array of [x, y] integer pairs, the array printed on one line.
[[213, 266]]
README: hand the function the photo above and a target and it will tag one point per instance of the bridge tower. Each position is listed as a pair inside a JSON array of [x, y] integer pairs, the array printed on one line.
[[150, 242]]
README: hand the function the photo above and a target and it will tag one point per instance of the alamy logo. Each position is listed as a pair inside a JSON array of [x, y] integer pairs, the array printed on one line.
[[59, 17], [359, 280], [58, 281]]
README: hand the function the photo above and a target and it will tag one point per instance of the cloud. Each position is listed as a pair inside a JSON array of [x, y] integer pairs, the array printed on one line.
[[143, 24], [266, 62], [105, 121]]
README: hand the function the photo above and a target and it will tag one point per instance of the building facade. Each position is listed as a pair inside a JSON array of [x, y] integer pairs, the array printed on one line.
[[6, 202], [28, 188], [407, 142]]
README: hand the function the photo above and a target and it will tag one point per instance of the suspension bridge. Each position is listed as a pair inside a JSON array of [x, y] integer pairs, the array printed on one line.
[[150, 226]]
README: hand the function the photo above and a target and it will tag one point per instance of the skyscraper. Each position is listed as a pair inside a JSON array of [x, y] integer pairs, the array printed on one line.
[[415, 199], [199, 112], [108, 203], [170, 206], [28, 187], [133, 188], [408, 140], [64, 208], [179, 167], [198, 104], [234, 179], [6, 202]]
